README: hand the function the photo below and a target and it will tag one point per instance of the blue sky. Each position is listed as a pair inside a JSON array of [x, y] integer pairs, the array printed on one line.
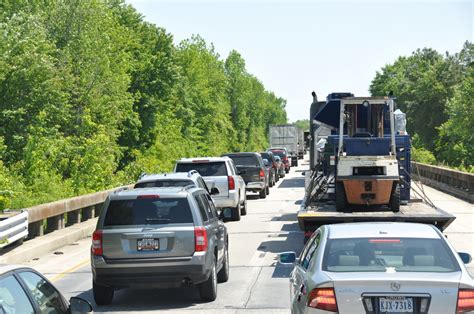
[[295, 47]]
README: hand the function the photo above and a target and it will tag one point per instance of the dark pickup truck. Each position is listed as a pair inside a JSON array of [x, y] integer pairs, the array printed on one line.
[[252, 169]]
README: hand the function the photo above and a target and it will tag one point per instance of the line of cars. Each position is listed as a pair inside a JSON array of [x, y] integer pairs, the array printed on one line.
[[168, 231]]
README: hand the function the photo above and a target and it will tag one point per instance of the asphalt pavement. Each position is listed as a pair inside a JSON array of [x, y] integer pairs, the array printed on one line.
[[257, 283]]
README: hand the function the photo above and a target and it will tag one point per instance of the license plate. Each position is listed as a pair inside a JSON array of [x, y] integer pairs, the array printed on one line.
[[396, 305], [148, 244]]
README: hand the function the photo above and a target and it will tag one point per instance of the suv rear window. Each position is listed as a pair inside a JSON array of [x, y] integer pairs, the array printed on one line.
[[266, 156], [245, 160], [148, 212], [395, 254], [205, 169], [279, 153], [163, 183]]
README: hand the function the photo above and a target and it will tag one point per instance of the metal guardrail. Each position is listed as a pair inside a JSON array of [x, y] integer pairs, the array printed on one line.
[[458, 183], [14, 228], [64, 213]]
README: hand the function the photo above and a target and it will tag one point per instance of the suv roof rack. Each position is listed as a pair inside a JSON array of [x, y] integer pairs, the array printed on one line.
[[191, 172]]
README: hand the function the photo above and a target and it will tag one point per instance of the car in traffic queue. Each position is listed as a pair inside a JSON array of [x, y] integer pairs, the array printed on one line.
[[251, 167], [176, 179], [280, 166], [159, 238], [379, 267], [224, 175], [272, 167], [23, 290], [283, 154]]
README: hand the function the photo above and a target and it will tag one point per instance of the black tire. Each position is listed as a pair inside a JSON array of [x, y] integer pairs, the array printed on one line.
[[223, 274], [235, 212], [263, 193], [243, 207], [277, 177], [208, 289], [102, 295], [287, 170], [395, 198], [267, 190], [341, 201]]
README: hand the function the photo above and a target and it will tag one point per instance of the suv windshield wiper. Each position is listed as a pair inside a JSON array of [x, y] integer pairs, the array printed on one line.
[[158, 220]]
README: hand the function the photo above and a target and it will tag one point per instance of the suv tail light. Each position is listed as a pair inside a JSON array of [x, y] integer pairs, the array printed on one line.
[[231, 182], [261, 174], [465, 301], [323, 299], [97, 243], [200, 239]]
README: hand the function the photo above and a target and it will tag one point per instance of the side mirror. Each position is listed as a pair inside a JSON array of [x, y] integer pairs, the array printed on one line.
[[79, 305], [303, 173], [465, 257], [287, 257], [214, 191]]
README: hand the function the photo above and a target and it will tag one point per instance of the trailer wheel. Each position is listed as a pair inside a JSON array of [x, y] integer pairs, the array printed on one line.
[[341, 202], [395, 198]]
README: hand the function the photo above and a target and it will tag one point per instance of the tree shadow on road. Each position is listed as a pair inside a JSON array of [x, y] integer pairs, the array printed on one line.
[[147, 300]]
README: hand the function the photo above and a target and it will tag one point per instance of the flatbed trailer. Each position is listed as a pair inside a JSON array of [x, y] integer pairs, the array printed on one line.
[[312, 217]]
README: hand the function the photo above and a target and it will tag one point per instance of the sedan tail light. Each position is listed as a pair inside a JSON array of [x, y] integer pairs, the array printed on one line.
[[465, 301], [97, 243], [231, 182], [323, 299], [200, 239]]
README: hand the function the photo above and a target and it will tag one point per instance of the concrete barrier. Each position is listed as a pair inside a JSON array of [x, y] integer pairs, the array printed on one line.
[[57, 215], [457, 183]]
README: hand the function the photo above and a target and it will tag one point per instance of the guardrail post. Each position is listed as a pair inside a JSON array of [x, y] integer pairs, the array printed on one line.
[[55, 223], [73, 217], [88, 213], [35, 229]]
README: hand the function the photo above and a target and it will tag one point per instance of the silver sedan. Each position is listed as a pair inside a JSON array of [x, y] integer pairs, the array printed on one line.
[[379, 268]]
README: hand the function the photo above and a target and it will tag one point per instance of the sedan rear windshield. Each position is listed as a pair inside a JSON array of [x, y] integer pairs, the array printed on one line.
[[388, 255], [245, 160], [148, 211], [205, 169], [163, 183]]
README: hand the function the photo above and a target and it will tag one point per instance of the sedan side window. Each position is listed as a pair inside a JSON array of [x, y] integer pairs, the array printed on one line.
[[310, 253], [13, 299], [48, 298]]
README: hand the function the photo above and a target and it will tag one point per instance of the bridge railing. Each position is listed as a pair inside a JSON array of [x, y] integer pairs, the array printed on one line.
[[49, 217], [458, 183]]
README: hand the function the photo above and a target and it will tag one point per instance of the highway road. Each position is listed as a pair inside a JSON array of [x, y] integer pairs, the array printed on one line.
[[257, 283]]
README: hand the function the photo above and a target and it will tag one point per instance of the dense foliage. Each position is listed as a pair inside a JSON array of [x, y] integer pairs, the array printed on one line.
[[302, 124], [437, 94], [91, 95]]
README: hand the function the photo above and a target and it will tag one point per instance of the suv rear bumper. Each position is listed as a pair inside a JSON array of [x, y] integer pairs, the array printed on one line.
[[255, 186], [232, 200], [156, 273]]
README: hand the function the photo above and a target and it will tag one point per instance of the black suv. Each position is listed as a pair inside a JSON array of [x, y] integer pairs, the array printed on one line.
[[159, 238]]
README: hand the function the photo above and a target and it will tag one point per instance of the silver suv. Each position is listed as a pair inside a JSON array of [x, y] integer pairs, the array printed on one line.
[[159, 238], [176, 179], [222, 172]]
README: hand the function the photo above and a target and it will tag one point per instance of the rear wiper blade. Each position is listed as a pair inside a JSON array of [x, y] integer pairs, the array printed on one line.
[[158, 220]]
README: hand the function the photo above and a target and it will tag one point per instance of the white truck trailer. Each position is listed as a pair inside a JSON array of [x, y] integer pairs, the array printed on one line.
[[285, 136]]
